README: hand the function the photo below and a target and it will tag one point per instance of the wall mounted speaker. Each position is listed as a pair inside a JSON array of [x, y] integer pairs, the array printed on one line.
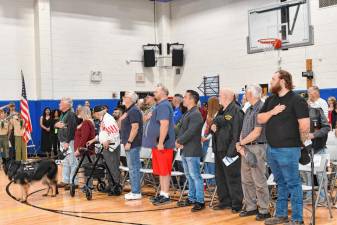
[[149, 58], [177, 57]]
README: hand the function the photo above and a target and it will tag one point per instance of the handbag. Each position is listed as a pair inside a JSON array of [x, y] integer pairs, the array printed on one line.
[[305, 155]]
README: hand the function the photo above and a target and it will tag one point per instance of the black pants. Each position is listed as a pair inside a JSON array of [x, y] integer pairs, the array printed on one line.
[[55, 144], [228, 181]]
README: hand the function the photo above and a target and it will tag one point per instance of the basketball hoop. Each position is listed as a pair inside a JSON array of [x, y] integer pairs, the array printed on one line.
[[270, 43]]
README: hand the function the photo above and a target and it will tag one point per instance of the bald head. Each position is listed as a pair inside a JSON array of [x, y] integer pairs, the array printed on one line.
[[226, 96]]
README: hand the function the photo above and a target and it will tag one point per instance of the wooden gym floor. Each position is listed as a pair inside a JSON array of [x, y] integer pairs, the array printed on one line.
[[65, 210]]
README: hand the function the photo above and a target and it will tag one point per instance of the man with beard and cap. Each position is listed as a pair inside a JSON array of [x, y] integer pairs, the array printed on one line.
[[226, 131], [286, 118], [109, 137]]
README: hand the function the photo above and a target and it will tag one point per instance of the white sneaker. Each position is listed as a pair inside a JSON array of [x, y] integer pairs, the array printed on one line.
[[132, 196]]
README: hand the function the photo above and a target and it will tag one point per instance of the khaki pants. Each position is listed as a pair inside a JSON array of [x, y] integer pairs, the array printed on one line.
[[4, 146], [254, 181], [20, 148]]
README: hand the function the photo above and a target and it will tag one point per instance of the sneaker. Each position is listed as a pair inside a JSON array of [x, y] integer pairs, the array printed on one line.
[[276, 220], [245, 213], [131, 196], [154, 198], [162, 200], [262, 216], [198, 207], [295, 223], [185, 203]]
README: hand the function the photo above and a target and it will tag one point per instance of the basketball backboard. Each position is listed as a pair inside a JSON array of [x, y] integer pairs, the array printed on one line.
[[287, 20]]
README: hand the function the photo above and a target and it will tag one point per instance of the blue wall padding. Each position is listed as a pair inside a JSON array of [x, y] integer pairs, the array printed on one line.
[[36, 107]]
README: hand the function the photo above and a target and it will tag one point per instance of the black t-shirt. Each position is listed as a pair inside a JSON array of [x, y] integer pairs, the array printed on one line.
[[282, 130], [133, 116]]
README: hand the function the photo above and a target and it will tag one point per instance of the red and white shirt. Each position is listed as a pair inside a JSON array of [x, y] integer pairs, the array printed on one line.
[[109, 131]]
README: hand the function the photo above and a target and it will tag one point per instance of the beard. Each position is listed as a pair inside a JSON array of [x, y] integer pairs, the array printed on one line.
[[276, 88]]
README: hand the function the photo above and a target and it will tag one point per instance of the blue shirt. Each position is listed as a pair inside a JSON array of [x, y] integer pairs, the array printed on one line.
[[177, 115], [133, 116], [162, 111]]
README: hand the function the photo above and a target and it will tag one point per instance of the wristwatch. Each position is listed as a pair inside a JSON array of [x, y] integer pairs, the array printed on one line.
[[129, 142]]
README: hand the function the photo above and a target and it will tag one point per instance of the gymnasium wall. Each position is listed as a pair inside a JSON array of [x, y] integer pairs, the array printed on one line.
[[215, 43], [17, 49]]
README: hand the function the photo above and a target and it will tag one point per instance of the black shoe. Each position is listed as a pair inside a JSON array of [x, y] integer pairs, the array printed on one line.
[[116, 190], [236, 210], [262, 217], [185, 203], [276, 220], [198, 207], [162, 200], [154, 198], [245, 213], [221, 207]]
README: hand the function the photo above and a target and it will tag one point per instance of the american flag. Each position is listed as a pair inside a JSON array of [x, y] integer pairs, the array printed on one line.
[[25, 111]]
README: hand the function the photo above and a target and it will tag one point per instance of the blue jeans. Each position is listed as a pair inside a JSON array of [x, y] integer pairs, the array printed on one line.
[[133, 160], [69, 165], [209, 167], [195, 183], [284, 164]]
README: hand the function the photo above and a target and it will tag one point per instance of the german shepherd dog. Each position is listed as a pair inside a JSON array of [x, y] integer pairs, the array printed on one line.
[[25, 174]]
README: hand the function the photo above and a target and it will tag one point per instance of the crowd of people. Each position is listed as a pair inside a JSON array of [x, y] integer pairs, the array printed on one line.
[[243, 139]]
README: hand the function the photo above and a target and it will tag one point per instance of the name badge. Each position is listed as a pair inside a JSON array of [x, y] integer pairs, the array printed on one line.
[[228, 117]]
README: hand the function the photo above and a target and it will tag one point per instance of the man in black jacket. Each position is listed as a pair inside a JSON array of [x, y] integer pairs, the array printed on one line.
[[319, 130], [189, 141], [226, 130], [66, 133]]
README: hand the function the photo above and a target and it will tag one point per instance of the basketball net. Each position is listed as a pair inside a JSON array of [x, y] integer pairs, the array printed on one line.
[[270, 44]]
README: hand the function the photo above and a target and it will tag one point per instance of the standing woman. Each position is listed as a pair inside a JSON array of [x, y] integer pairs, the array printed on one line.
[[206, 136], [332, 112], [84, 133], [53, 133], [45, 124]]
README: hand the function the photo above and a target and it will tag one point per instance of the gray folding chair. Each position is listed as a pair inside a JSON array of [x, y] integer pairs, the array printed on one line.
[[320, 167], [209, 158]]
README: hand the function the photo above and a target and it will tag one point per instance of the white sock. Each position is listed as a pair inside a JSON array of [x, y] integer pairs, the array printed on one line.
[[166, 195]]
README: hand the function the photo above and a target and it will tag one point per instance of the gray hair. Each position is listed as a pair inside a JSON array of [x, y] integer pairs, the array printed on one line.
[[132, 95], [163, 88], [86, 112], [256, 90], [68, 100]]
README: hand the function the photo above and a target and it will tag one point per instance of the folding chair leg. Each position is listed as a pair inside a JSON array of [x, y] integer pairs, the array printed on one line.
[[213, 196], [182, 191], [327, 197], [158, 189]]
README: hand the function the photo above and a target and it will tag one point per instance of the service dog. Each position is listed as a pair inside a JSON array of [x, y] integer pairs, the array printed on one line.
[[24, 174]]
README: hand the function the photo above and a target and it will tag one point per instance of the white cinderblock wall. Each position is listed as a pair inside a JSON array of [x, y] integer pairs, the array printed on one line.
[[214, 33], [17, 49], [58, 42]]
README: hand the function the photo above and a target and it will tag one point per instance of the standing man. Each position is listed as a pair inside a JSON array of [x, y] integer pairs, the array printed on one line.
[[4, 134], [66, 134], [286, 116], [131, 137], [253, 139], [161, 138], [316, 101], [109, 137], [189, 141], [176, 102], [226, 130]]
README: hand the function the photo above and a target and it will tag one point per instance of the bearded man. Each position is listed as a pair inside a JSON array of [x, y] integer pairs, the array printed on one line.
[[286, 116]]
